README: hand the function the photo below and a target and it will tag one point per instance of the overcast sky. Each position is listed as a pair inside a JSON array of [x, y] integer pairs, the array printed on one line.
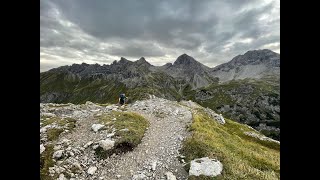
[[101, 31]]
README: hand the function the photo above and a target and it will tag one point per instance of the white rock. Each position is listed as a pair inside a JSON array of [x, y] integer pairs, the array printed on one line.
[[139, 177], [92, 170], [154, 165], [114, 119], [118, 176], [95, 110], [95, 146], [49, 114], [89, 103], [106, 144], [43, 129], [220, 119], [261, 137], [52, 170], [126, 129], [205, 166], [110, 135], [59, 170], [61, 177], [42, 148], [57, 154], [71, 153], [88, 144], [97, 127], [170, 176]]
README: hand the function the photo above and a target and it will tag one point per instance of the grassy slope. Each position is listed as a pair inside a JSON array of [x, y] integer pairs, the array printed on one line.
[[243, 157], [224, 94], [74, 90], [221, 96], [126, 140]]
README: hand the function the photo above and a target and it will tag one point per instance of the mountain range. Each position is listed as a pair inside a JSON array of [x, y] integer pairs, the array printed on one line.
[[245, 89]]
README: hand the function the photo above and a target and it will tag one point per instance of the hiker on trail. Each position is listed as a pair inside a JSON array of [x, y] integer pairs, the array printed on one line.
[[122, 98]]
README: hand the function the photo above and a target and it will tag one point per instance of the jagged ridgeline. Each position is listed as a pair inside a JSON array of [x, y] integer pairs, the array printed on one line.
[[245, 89]]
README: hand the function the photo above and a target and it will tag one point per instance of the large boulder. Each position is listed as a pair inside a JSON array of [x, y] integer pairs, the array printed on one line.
[[92, 170], [170, 176], [106, 144], [97, 127], [205, 166], [57, 154]]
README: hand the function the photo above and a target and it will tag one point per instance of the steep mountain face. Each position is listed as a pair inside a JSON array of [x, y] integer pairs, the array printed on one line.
[[253, 64], [245, 89], [187, 69]]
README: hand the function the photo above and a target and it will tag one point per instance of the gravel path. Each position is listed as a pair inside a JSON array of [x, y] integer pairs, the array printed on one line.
[[159, 147]]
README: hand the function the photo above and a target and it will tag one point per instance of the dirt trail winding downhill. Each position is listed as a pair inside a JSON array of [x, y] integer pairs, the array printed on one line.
[[160, 145]]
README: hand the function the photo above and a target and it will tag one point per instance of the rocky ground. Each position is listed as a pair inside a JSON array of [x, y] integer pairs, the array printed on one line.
[[156, 157], [72, 136]]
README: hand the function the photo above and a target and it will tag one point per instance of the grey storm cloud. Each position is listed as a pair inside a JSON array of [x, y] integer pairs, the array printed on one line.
[[212, 31]]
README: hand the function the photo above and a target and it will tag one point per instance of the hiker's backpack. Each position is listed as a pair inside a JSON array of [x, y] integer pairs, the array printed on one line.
[[122, 96]]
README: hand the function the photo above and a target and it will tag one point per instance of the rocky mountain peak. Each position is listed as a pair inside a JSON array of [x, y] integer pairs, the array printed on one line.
[[142, 61], [185, 59], [123, 60], [252, 64], [260, 52], [168, 64], [264, 56]]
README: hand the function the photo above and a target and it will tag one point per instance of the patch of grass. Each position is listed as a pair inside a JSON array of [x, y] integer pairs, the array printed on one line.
[[70, 122], [47, 120], [46, 162], [65, 123], [126, 140], [70, 88], [53, 133], [243, 157]]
